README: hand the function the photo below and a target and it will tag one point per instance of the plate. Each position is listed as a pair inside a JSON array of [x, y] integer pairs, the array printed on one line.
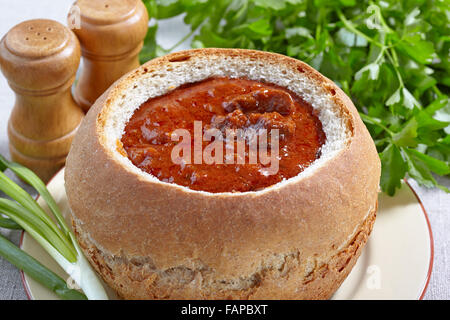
[[395, 264]]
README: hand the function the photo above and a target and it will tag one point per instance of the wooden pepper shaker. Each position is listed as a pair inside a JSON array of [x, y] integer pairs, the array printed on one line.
[[40, 59], [111, 34]]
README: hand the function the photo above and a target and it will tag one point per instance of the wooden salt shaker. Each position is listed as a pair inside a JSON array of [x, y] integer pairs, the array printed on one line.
[[40, 59], [111, 34]]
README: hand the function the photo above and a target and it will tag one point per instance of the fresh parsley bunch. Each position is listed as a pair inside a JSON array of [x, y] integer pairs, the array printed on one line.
[[391, 57]]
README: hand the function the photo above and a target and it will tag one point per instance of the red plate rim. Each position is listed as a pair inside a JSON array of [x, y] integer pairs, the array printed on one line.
[[430, 232]]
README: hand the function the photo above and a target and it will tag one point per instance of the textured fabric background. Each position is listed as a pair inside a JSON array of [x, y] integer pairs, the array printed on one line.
[[436, 202]]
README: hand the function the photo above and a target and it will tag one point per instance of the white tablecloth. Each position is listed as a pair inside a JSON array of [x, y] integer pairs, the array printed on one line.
[[436, 202]]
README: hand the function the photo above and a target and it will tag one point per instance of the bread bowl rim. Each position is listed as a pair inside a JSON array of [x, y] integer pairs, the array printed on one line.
[[331, 92]]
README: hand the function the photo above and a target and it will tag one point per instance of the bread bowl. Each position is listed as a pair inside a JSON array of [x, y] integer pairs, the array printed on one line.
[[150, 239]]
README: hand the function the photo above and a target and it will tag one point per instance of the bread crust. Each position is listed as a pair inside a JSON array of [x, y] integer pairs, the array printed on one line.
[[139, 280], [128, 217]]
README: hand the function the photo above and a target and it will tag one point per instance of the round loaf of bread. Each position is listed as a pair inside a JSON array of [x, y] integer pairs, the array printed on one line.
[[296, 239]]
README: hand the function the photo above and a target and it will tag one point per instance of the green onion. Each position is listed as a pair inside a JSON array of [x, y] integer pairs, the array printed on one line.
[[9, 224], [32, 179], [37, 271], [10, 188], [29, 222], [56, 238]]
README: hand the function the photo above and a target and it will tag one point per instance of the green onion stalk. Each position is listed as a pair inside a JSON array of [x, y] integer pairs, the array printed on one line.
[[37, 271], [56, 238]]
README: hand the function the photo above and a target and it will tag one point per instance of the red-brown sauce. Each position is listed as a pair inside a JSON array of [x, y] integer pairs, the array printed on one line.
[[223, 103]]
